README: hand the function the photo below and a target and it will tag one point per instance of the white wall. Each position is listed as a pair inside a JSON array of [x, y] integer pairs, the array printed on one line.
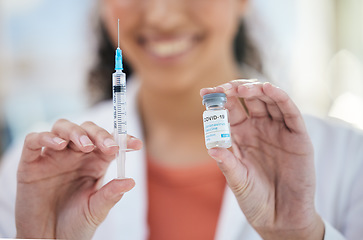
[[313, 50], [45, 51]]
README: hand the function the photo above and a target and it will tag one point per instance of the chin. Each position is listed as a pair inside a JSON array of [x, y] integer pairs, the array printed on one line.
[[161, 80]]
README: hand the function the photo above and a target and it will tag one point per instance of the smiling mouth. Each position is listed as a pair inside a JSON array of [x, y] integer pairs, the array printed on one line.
[[167, 48]]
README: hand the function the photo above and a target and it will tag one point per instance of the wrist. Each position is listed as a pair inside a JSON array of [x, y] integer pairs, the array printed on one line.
[[314, 231]]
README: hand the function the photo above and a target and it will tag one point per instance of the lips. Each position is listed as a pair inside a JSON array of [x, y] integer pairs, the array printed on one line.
[[168, 47]]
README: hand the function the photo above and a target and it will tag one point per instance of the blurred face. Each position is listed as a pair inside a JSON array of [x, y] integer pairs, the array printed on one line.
[[173, 43]]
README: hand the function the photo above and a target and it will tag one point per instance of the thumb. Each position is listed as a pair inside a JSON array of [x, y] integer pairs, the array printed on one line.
[[106, 197], [233, 169]]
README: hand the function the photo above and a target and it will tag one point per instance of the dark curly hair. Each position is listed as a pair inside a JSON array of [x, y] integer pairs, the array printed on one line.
[[100, 76]]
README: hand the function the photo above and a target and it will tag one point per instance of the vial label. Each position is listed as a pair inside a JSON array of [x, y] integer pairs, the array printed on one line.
[[216, 129]]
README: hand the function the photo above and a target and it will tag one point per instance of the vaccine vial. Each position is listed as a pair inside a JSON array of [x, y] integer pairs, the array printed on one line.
[[216, 125]]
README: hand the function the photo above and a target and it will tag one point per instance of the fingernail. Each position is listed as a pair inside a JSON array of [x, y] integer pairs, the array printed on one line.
[[58, 140], [132, 139], [217, 160], [121, 193], [85, 141], [245, 80], [227, 86], [249, 85], [109, 143], [209, 89], [129, 150], [268, 83]]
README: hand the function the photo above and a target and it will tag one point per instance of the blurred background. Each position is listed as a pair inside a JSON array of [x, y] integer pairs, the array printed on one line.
[[312, 49]]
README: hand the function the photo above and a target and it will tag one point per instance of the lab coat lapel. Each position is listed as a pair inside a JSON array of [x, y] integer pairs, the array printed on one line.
[[231, 218], [232, 223]]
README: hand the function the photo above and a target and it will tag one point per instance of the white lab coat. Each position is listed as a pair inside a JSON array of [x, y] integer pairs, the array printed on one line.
[[339, 193]]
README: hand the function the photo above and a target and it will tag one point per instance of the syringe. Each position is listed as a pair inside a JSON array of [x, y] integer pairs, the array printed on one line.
[[119, 109]]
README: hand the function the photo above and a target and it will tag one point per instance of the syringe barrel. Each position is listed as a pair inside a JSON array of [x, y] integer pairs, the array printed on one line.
[[119, 102], [121, 140]]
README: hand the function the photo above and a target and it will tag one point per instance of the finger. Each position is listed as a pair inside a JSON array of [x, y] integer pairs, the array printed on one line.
[[133, 143], [226, 87], [105, 198], [291, 114], [35, 142], [75, 134], [274, 112], [101, 138], [252, 104], [231, 88], [232, 168], [258, 103], [256, 108], [205, 91], [105, 140], [237, 111]]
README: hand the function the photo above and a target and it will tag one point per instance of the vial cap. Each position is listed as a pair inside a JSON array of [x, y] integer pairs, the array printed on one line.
[[214, 99]]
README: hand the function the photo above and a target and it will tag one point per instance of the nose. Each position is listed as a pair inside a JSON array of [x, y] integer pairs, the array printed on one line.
[[164, 14]]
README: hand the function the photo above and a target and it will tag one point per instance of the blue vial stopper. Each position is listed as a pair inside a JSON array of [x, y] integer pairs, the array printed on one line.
[[212, 99]]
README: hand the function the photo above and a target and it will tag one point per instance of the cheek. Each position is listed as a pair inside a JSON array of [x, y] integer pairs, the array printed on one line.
[[225, 22], [221, 22]]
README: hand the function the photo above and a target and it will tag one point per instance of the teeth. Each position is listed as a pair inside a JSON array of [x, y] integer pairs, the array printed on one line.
[[169, 48]]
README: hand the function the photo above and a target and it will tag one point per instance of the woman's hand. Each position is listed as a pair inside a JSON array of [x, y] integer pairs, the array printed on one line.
[[271, 166], [59, 192]]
